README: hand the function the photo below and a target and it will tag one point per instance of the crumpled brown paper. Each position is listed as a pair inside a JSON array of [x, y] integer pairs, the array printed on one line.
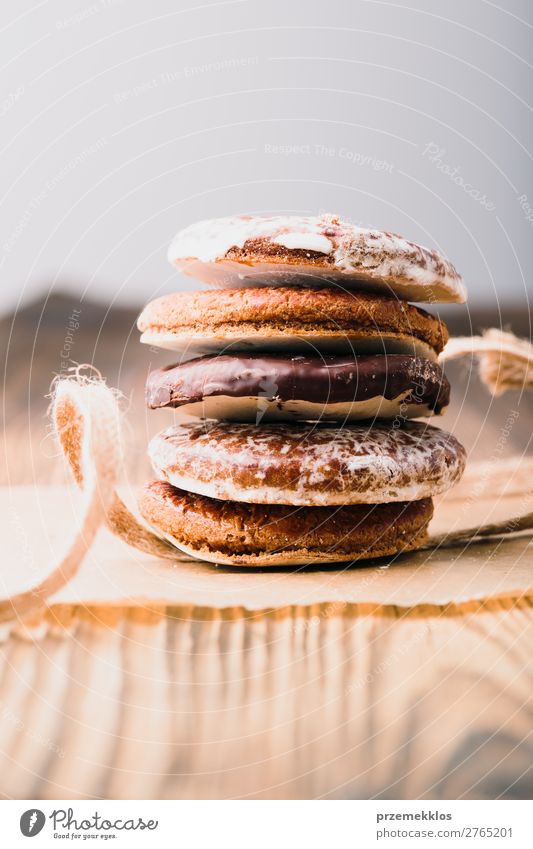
[[116, 575]]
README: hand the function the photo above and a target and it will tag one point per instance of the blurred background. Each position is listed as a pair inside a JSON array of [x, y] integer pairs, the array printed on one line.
[[125, 121]]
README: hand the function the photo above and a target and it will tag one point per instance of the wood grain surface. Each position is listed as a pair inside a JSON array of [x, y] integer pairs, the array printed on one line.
[[301, 702], [298, 703]]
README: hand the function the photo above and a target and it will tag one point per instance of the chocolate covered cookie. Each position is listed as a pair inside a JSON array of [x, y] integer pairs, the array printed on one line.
[[262, 387]]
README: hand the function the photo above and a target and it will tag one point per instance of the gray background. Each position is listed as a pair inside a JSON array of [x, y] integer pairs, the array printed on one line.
[[124, 121]]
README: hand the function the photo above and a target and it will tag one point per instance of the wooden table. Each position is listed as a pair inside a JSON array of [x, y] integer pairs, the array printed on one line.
[[315, 701]]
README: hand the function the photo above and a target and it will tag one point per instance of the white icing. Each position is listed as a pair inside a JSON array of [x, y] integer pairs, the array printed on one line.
[[305, 242], [359, 464], [189, 346], [228, 274], [211, 239], [227, 491], [393, 252], [257, 410], [360, 256]]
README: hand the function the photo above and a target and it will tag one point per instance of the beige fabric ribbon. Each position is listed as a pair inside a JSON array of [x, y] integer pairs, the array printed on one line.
[[86, 420], [505, 362]]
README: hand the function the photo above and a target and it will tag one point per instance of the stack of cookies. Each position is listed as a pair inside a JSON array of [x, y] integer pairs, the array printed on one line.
[[296, 384]]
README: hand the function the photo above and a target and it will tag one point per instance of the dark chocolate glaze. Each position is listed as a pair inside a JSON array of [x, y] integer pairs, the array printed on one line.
[[323, 380]]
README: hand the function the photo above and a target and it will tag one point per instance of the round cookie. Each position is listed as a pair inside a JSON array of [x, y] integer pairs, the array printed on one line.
[[289, 320], [261, 387], [281, 250], [236, 534], [309, 465]]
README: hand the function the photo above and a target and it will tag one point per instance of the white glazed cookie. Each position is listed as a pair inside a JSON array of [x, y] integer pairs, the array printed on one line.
[[247, 250], [308, 465]]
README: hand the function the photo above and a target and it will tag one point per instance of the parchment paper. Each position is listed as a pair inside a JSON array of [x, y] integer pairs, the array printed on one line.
[[32, 523]]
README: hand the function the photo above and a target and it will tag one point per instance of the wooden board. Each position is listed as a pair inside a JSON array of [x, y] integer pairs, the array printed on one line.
[[191, 702]]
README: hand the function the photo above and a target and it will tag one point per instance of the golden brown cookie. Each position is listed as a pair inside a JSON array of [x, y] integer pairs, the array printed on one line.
[[308, 465], [281, 250], [227, 532], [290, 320]]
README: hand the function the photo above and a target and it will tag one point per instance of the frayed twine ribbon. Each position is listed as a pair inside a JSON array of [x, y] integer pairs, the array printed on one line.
[[505, 362], [86, 419]]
